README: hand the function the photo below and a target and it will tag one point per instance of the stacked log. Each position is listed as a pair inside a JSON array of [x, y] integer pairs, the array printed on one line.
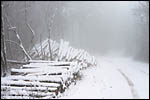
[[37, 80], [42, 78], [64, 52]]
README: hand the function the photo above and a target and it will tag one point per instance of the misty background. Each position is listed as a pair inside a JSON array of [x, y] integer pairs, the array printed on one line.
[[100, 27]]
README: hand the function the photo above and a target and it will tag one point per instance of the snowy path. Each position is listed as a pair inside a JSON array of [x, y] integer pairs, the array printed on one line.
[[112, 78], [130, 83]]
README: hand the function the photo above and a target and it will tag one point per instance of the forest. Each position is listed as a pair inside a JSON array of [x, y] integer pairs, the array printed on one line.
[[47, 46]]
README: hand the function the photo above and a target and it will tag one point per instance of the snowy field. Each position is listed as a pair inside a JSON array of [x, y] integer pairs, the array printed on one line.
[[113, 77]]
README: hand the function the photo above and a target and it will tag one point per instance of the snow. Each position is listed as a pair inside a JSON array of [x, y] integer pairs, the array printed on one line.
[[27, 93], [112, 78], [39, 70], [29, 88], [63, 52], [137, 72], [21, 82], [17, 97], [33, 78], [105, 81]]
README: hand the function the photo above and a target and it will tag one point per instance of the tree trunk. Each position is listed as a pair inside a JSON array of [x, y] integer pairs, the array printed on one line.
[[3, 56]]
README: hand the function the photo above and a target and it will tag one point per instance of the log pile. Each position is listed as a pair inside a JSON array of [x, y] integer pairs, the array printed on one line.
[[43, 79], [63, 52], [38, 80]]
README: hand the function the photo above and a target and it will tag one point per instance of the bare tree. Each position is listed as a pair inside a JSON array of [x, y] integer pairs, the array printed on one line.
[[20, 42], [14, 29], [142, 15], [3, 51], [49, 24]]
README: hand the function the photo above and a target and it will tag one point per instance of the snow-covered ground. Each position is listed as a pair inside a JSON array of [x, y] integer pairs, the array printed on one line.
[[113, 77]]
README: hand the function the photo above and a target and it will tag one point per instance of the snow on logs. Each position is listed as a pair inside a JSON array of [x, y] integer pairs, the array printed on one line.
[[38, 79], [42, 78], [64, 52]]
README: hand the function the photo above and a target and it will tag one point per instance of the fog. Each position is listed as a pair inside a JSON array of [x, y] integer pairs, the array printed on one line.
[[107, 27], [75, 49], [100, 27]]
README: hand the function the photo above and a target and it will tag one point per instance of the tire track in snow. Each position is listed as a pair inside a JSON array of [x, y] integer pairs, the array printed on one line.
[[130, 83]]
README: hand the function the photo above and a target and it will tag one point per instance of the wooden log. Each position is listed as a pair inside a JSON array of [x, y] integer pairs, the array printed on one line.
[[18, 97], [52, 63], [45, 47], [60, 49], [41, 70], [78, 55], [65, 49], [44, 43], [63, 76], [40, 61], [28, 93], [28, 83], [67, 66], [51, 89], [34, 78], [17, 62], [67, 54]]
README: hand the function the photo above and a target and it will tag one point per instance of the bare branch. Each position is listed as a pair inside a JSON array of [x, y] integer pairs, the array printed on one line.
[[22, 48], [13, 43], [32, 31], [18, 37]]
